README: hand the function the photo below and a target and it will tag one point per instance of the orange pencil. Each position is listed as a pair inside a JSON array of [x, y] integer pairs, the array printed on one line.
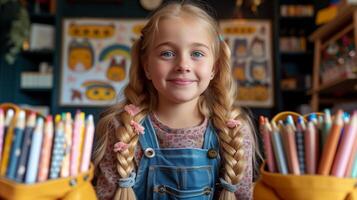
[[329, 150]]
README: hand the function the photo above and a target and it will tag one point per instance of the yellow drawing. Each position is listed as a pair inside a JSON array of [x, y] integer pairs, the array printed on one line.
[[80, 56], [91, 31], [99, 91], [116, 71]]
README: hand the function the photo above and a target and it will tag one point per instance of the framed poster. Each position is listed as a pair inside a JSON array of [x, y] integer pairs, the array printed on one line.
[[95, 59], [250, 42]]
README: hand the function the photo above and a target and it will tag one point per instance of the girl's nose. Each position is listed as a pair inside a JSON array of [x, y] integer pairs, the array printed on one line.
[[183, 65]]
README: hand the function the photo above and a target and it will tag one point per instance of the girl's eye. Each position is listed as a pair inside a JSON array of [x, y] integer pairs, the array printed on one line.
[[167, 54], [197, 54]]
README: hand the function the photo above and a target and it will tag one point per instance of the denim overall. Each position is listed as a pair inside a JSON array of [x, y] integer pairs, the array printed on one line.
[[177, 173]]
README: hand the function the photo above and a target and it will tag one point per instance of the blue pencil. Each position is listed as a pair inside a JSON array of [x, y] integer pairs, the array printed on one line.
[[25, 149], [16, 145]]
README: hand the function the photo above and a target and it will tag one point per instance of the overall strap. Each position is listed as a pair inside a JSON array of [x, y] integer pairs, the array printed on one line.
[[148, 139], [210, 137]]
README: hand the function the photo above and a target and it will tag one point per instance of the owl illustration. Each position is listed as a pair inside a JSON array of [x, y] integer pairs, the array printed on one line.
[[80, 56], [116, 70]]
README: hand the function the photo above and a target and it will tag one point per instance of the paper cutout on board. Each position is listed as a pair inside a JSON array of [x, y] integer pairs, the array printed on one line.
[[102, 64], [81, 55], [258, 48], [114, 50], [99, 90], [76, 95], [240, 48], [239, 70], [93, 31], [259, 70], [116, 70], [250, 42]]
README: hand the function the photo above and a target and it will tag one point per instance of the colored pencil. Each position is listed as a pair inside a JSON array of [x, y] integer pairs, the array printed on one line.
[[46, 150], [16, 145], [8, 133], [35, 151], [87, 149], [267, 144], [329, 150], [25, 149]]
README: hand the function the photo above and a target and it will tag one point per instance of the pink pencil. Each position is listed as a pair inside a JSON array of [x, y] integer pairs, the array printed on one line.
[[310, 148], [46, 150], [344, 150], [75, 149], [264, 130]]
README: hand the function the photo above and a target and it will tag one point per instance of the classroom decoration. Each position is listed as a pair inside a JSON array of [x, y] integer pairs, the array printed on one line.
[[35, 148], [250, 43], [311, 157], [95, 59]]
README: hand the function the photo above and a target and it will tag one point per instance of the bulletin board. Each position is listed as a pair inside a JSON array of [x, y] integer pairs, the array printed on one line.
[[95, 59], [251, 44]]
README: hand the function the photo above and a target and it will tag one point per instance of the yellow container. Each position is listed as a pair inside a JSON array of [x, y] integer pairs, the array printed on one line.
[[274, 186], [70, 188]]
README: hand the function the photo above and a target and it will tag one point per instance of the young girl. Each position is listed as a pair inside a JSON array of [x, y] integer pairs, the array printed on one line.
[[176, 135]]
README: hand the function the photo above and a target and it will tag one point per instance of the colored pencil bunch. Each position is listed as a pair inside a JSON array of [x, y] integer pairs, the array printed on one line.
[[35, 149], [321, 144]]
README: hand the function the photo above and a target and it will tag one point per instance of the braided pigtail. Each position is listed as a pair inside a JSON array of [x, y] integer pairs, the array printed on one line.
[[231, 140]]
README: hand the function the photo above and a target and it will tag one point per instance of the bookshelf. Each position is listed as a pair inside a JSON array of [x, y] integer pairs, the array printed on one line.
[[335, 62], [296, 22]]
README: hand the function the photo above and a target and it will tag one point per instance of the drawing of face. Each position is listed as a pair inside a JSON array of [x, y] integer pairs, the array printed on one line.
[[99, 91], [240, 48], [239, 70], [257, 48], [80, 56], [116, 71], [259, 70]]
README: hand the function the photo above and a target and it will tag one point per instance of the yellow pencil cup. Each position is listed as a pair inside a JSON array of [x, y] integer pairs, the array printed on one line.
[[71, 188], [274, 186]]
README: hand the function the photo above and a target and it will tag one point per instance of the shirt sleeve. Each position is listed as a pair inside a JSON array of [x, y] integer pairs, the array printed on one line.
[[107, 176], [245, 189]]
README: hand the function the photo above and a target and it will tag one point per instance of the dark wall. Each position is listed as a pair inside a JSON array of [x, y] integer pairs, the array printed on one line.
[[10, 75]]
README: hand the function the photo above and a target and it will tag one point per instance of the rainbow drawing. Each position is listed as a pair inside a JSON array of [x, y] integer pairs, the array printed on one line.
[[113, 50]]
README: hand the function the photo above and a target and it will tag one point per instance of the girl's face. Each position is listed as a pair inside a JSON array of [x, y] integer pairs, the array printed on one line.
[[180, 61]]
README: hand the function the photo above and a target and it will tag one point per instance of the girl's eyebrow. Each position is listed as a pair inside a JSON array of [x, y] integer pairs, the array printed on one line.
[[195, 44]]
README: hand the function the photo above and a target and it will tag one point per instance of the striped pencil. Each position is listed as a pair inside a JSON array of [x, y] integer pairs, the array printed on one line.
[[344, 150], [68, 144], [7, 141], [87, 149], [16, 145], [35, 151], [329, 150], [300, 148], [46, 150], [58, 148], [26, 144]]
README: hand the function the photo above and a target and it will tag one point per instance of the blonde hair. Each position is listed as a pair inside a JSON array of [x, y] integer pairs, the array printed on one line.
[[217, 102]]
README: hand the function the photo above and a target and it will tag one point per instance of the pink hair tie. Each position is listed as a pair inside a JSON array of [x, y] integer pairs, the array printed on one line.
[[232, 123], [137, 127], [120, 146], [131, 109]]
